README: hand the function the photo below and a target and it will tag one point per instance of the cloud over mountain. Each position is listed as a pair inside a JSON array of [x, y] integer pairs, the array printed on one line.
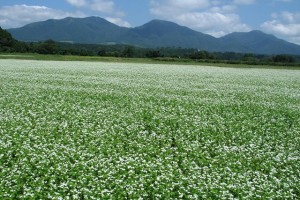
[[285, 24], [106, 8], [212, 17], [19, 15]]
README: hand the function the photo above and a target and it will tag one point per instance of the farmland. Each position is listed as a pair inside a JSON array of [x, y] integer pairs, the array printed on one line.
[[95, 130]]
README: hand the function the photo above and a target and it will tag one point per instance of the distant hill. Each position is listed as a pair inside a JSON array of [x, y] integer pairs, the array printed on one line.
[[258, 42], [159, 33], [156, 33], [78, 30]]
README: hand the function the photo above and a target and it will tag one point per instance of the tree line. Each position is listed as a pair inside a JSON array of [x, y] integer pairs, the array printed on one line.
[[10, 45]]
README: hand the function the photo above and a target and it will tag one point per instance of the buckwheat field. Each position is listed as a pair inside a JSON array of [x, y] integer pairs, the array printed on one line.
[[92, 130]]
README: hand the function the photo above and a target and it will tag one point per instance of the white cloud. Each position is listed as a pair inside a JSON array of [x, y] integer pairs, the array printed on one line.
[[212, 17], [213, 23], [190, 4], [177, 6], [77, 3], [19, 15], [118, 21], [105, 6], [100, 6], [224, 9], [284, 25]]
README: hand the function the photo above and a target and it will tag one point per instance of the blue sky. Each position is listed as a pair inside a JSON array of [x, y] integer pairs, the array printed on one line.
[[215, 17]]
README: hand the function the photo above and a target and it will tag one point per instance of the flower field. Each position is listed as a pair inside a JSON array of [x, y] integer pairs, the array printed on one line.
[[92, 130]]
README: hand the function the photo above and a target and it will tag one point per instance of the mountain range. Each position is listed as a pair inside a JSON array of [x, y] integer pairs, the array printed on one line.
[[156, 33]]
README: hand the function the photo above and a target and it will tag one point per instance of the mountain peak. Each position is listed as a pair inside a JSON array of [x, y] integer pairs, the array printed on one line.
[[260, 33], [160, 22]]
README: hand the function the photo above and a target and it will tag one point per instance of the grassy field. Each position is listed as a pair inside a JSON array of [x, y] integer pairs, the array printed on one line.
[[98, 130]]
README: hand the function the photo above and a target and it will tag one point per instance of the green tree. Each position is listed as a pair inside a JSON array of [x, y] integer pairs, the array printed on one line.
[[6, 40], [283, 59], [248, 57], [153, 54], [47, 47], [128, 52], [102, 52], [201, 55]]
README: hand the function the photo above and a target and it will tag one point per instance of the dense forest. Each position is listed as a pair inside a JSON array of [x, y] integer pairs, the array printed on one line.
[[9, 45]]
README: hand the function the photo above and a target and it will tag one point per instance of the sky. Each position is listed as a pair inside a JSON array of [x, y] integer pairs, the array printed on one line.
[[215, 17]]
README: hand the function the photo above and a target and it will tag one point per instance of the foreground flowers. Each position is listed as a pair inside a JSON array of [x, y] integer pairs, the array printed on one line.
[[73, 130]]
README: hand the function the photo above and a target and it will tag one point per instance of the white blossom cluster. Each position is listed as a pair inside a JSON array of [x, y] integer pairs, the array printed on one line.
[[90, 130]]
